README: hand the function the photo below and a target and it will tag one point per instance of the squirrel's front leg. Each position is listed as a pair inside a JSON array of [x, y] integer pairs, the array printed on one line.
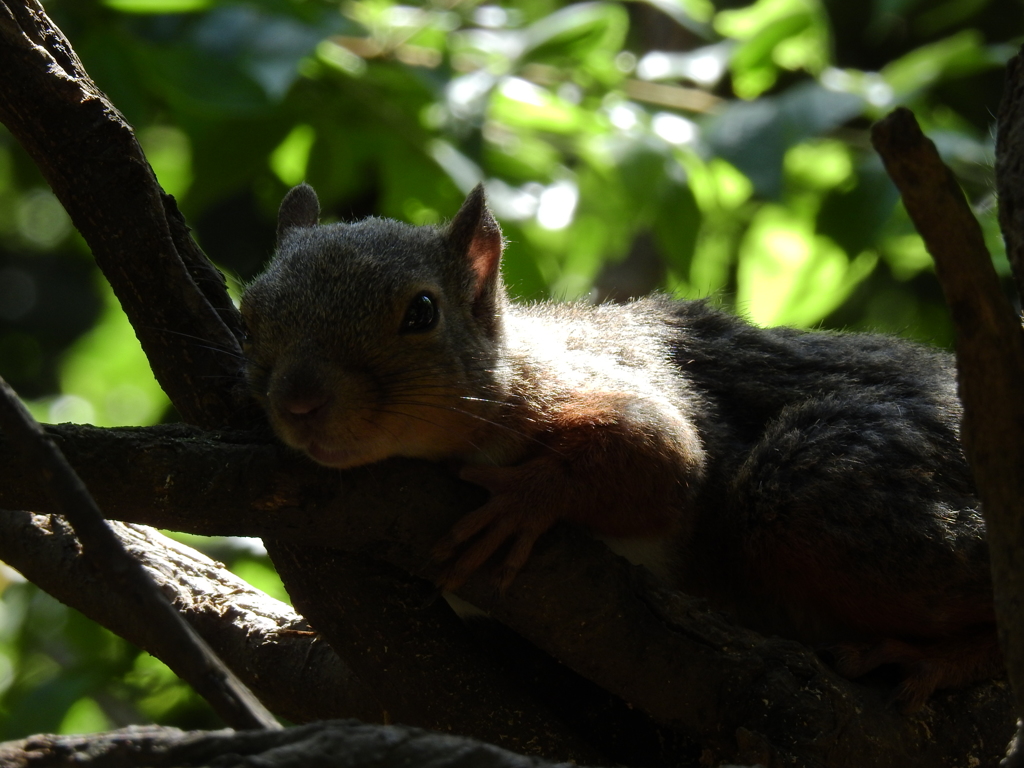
[[621, 464]]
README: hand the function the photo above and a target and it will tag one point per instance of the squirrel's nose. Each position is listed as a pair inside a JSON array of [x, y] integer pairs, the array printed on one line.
[[304, 406]]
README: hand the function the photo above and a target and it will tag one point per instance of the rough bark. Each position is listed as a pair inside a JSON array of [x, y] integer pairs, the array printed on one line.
[[1010, 168], [171, 637], [321, 745], [740, 696], [90, 157], [989, 349], [424, 664], [264, 641]]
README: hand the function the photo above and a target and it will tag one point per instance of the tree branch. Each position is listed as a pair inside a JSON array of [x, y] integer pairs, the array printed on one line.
[[267, 644], [175, 641], [990, 359], [88, 154], [341, 744], [423, 663], [419, 654], [660, 652], [1010, 168]]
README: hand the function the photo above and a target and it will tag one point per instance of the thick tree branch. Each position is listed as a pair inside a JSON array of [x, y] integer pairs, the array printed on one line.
[[265, 642], [419, 654], [89, 156], [741, 696], [330, 744], [433, 678], [990, 359], [1010, 168], [1010, 188]]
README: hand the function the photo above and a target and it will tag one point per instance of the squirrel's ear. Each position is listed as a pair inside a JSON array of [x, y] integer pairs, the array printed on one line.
[[300, 208], [475, 233]]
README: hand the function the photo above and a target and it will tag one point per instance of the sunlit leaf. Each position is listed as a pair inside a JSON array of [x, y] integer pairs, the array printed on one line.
[[107, 369], [520, 155], [692, 14], [788, 275], [262, 576], [775, 34], [746, 23], [168, 151], [158, 6], [907, 255], [821, 165], [958, 54], [755, 136], [291, 157], [520, 104], [753, 64], [85, 716], [588, 33]]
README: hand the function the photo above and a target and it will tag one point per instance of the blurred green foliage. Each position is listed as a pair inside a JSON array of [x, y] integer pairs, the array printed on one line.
[[705, 148]]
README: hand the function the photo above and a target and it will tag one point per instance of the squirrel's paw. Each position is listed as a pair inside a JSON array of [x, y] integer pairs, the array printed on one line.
[[507, 518], [925, 667], [852, 660]]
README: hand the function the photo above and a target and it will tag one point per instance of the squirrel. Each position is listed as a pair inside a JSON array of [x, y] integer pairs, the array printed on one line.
[[810, 483]]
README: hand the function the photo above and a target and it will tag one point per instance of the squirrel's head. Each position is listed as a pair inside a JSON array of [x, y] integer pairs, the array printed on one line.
[[377, 338]]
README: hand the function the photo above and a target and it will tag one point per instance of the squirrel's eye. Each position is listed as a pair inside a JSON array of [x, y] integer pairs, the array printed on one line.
[[421, 315], [246, 335]]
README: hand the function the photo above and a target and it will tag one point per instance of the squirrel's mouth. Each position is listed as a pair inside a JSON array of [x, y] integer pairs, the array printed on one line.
[[337, 458]]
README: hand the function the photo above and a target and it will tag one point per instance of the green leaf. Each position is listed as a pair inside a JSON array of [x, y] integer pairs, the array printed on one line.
[[588, 34], [168, 152], [753, 57], [518, 155], [755, 136], [261, 575], [677, 226], [158, 6], [85, 716], [204, 84], [855, 217], [291, 157], [106, 377], [787, 275], [520, 104], [958, 54]]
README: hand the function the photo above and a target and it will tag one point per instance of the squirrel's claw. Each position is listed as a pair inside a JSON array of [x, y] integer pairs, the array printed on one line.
[[505, 518], [494, 531]]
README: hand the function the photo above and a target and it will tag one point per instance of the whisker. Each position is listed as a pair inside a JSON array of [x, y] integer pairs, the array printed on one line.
[[192, 336], [381, 427], [470, 414], [404, 414]]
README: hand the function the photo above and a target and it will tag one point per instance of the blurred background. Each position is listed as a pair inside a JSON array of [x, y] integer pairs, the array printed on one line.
[[709, 148]]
